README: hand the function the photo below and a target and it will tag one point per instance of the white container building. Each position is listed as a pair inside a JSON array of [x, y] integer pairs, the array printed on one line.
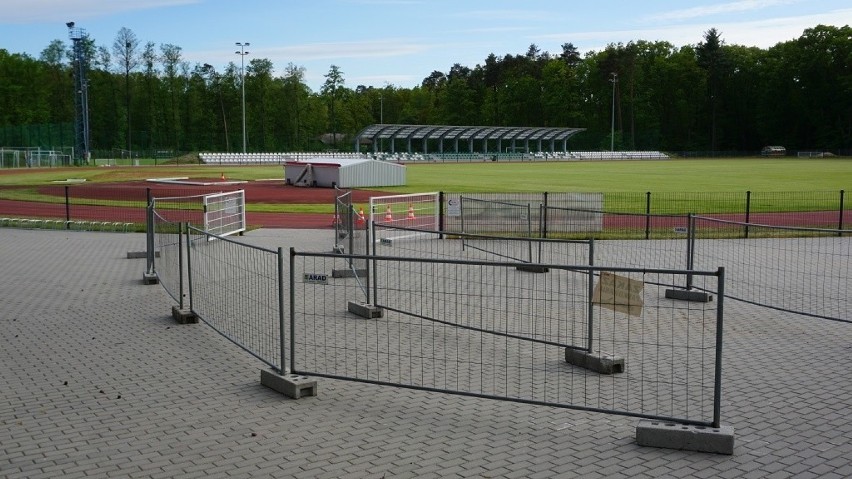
[[343, 173]]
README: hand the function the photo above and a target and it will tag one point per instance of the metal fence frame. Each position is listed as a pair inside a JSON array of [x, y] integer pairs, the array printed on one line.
[[258, 324], [340, 346], [766, 251], [238, 290]]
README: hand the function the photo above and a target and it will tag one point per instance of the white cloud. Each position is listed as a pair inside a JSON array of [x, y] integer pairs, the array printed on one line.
[[722, 8], [54, 11], [759, 33]]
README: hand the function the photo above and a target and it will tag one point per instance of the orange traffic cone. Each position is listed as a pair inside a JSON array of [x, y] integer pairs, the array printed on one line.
[[359, 221], [388, 214], [410, 211]]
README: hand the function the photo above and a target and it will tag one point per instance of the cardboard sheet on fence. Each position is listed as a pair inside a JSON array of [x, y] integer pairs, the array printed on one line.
[[619, 293]]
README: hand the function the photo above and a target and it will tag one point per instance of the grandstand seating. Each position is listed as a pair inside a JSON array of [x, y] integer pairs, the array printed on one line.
[[218, 158], [416, 157]]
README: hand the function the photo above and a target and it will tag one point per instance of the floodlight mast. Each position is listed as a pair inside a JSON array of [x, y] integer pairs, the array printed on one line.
[[242, 53], [81, 93]]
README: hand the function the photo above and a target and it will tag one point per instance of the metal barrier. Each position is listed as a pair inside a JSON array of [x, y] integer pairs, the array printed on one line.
[[416, 243], [799, 270], [487, 329], [794, 269], [166, 237], [238, 290], [350, 235], [479, 328], [643, 215]]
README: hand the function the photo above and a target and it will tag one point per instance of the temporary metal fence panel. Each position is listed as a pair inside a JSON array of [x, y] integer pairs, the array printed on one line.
[[420, 211], [351, 233], [490, 330], [498, 217], [238, 289], [342, 221], [168, 266], [500, 213], [800, 270], [165, 217], [225, 213], [177, 209], [440, 244]]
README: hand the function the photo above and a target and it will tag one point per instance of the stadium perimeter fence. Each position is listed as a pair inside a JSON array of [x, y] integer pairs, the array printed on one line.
[[625, 215], [479, 328], [636, 215]]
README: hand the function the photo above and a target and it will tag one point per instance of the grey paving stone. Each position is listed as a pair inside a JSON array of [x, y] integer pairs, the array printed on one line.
[[72, 308]]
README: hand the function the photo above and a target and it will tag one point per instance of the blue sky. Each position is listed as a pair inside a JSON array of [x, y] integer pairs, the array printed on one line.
[[400, 42]]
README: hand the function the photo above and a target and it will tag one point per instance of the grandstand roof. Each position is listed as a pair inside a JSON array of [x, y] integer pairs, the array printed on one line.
[[375, 132]]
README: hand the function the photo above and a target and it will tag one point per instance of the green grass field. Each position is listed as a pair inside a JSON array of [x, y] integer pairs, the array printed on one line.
[[693, 175], [690, 176]]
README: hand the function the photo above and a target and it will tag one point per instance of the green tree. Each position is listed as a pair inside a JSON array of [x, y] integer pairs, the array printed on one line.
[[711, 57], [125, 48], [331, 90]]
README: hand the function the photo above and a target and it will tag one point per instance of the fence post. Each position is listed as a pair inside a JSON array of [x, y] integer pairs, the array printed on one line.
[[281, 315], [292, 310], [149, 238], [543, 216], [441, 214], [720, 315], [690, 250], [461, 209], [367, 270], [647, 215], [747, 211], [188, 266], [591, 292], [373, 276], [67, 210], [180, 265], [840, 221]]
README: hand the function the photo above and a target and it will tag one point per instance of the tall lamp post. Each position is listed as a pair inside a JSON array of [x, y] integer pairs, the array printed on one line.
[[614, 80], [242, 53], [127, 46]]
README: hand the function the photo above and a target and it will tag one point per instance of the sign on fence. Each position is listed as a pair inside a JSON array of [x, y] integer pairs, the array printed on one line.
[[619, 293]]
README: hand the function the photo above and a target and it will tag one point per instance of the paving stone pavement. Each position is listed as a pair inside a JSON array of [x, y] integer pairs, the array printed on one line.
[[97, 380]]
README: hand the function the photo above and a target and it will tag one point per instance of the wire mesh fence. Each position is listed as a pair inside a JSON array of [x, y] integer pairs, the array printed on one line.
[[89, 207], [238, 290], [800, 270], [351, 234], [169, 267], [629, 215], [487, 329], [415, 243]]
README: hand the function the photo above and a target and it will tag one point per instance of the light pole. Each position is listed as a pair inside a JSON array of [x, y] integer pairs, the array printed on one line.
[[614, 80], [242, 53], [127, 46]]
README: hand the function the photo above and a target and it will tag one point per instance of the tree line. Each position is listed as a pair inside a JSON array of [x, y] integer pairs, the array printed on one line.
[[709, 97]]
